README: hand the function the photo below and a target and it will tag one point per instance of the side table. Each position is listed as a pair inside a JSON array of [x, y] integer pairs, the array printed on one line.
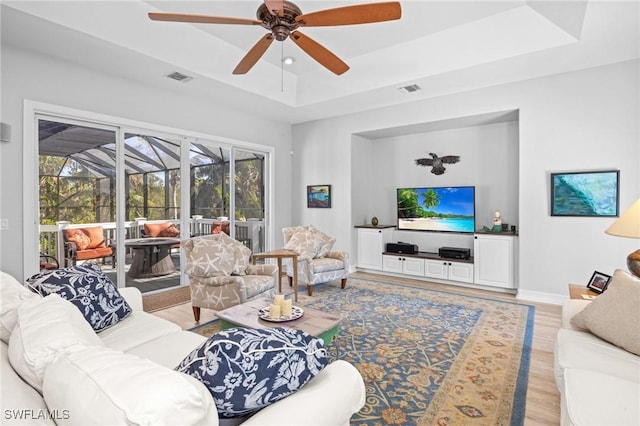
[[576, 291], [280, 254]]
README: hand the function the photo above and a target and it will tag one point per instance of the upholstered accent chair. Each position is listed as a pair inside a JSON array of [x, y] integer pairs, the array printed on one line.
[[220, 275], [316, 262]]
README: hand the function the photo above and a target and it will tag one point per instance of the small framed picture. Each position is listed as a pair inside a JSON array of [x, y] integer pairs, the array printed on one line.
[[319, 196], [598, 282]]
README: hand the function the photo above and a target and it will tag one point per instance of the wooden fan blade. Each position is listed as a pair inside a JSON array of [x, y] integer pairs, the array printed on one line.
[[350, 15], [201, 19], [275, 6], [254, 54], [319, 53]]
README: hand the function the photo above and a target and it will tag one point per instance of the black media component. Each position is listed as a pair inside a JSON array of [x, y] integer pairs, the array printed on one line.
[[454, 252], [400, 247]]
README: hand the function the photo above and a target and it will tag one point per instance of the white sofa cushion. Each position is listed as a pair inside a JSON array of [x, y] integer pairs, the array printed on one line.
[[44, 328], [575, 349], [137, 329], [100, 386], [20, 403], [615, 315], [593, 398], [339, 386], [569, 309], [169, 350], [12, 294]]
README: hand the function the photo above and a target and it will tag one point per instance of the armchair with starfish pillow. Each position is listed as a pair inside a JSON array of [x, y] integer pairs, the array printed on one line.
[[220, 275], [317, 264]]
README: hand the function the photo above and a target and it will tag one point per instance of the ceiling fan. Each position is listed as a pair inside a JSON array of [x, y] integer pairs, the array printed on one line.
[[282, 19]]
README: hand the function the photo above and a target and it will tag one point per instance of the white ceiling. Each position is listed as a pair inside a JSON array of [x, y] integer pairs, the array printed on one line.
[[443, 46]]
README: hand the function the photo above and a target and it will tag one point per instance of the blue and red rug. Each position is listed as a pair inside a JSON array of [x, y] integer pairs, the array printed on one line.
[[430, 357]]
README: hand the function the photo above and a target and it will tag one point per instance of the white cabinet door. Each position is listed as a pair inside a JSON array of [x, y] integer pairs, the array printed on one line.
[[494, 260], [435, 269], [413, 266], [462, 272], [392, 263], [447, 270], [371, 244]]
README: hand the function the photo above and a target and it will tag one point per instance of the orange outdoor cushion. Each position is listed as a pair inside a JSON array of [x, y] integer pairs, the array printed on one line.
[[94, 253], [153, 229], [79, 237], [96, 235], [170, 231]]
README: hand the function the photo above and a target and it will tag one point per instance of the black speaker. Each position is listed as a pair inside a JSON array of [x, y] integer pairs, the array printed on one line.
[[399, 247]]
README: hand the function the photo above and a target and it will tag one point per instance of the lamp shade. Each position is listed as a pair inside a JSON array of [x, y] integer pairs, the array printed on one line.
[[627, 225]]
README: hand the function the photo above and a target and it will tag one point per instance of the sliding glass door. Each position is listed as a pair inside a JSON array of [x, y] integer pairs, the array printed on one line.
[[141, 187]]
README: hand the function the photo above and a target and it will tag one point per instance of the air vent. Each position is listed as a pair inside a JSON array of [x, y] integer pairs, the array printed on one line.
[[410, 89], [179, 77]]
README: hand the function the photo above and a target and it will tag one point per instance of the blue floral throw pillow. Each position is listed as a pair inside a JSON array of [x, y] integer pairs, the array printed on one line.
[[246, 369], [89, 289]]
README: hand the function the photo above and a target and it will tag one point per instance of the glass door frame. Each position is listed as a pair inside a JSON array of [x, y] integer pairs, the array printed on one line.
[[34, 110]]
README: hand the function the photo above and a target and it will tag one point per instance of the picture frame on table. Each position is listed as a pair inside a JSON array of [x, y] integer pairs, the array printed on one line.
[[319, 196], [598, 282]]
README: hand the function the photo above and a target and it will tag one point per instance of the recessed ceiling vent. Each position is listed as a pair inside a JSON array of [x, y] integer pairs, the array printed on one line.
[[179, 77], [410, 89]]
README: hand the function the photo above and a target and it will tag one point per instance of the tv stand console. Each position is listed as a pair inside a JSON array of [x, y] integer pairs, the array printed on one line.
[[493, 263]]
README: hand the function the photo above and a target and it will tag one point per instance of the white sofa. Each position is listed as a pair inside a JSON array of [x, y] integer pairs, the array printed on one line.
[[145, 342], [599, 382]]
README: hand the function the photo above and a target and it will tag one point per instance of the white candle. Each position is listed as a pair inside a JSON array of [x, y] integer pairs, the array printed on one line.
[[286, 307], [274, 311], [278, 299]]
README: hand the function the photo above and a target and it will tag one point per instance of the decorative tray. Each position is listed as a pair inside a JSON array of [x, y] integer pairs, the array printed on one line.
[[296, 313]]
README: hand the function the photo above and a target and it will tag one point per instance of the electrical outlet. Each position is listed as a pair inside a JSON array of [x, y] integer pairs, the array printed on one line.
[[4, 224]]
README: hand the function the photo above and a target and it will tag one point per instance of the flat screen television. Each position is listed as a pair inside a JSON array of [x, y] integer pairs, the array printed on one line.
[[437, 209]]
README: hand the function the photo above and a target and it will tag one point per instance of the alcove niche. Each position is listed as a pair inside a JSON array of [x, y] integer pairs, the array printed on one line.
[[384, 160]]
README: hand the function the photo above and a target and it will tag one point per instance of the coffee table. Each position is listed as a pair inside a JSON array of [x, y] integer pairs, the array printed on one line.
[[317, 323]]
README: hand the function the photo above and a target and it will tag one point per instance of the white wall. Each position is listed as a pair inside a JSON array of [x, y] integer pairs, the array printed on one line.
[[38, 78], [581, 120]]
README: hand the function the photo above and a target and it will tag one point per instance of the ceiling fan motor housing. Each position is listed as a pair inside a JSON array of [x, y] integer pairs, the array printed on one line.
[[279, 23]]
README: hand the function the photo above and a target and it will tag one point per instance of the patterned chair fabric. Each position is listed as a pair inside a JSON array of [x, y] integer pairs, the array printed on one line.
[[316, 262], [220, 275]]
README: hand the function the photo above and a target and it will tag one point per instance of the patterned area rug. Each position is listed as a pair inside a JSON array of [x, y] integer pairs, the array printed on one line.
[[429, 357]]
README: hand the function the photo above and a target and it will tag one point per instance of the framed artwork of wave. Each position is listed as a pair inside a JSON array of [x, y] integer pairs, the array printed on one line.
[[585, 193]]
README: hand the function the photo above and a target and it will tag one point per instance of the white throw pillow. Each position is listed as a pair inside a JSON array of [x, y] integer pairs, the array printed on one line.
[[101, 386], [614, 316], [12, 295], [46, 327]]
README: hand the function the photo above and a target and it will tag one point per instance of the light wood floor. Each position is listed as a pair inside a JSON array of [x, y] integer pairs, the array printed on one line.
[[543, 399]]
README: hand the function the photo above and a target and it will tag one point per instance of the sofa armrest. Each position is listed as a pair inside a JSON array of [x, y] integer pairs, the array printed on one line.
[[331, 398], [133, 296], [570, 308]]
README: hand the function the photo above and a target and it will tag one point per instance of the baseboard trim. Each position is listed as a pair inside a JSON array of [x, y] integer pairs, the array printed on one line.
[[538, 296]]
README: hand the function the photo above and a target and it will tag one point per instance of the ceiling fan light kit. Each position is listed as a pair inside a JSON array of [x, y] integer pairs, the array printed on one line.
[[283, 18]]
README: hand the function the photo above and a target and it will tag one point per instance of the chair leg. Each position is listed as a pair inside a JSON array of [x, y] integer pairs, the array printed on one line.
[[343, 283], [309, 290], [196, 313]]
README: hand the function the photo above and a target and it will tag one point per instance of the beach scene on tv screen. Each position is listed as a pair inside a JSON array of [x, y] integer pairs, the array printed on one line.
[[449, 209]]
